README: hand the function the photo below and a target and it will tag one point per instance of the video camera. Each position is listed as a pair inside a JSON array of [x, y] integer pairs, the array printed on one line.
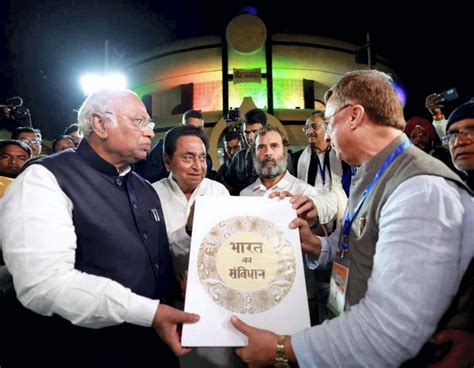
[[232, 117], [14, 114]]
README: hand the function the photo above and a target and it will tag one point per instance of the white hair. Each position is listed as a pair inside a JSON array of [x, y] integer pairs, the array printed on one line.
[[98, 102]]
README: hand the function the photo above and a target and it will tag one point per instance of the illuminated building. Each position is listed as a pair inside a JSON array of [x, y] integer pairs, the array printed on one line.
[[284, 74]]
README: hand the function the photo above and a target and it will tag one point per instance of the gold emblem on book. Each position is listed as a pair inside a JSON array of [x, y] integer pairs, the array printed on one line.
[[246, 265]]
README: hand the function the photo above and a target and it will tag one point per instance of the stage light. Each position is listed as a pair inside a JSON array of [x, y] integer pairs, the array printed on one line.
[[94, 82]]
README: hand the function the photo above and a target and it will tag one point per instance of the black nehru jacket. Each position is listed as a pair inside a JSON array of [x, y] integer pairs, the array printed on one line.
[[121, 235], [118, 222]]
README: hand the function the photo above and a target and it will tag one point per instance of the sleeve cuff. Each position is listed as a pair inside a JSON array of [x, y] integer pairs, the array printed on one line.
[[311, 262], [325, 257], [141, 310], [180, 242], [303, 356]]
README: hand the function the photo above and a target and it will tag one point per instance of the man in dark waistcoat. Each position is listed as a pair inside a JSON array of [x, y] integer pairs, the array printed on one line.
[[85, 240], [401, 253]]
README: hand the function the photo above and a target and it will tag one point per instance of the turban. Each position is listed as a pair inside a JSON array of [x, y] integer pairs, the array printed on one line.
[[423, 122]]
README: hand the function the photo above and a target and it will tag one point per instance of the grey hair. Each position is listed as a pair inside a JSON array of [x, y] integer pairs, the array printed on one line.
[[98, 102]]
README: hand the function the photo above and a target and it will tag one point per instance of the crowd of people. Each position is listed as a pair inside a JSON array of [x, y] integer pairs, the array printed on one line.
[[95, 238]]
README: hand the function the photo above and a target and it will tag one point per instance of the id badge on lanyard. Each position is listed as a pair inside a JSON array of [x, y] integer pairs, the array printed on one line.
[[338, 286]]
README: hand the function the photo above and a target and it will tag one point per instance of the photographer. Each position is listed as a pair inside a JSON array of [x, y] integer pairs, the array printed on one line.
[[232, 146], [13, 114]]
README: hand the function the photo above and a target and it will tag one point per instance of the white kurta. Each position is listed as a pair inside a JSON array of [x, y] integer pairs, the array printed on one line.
[[176, 210], [332, 188], [326, 206]]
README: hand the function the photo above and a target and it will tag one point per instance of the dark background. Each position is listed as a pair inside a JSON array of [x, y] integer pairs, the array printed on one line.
[[49, 44]]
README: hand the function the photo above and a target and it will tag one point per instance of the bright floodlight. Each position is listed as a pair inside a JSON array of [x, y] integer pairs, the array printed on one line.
[[90, 83], [93, 82]]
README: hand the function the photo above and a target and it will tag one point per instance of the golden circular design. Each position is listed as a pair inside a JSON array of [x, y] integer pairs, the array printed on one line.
[[246, 34], [246, 265]]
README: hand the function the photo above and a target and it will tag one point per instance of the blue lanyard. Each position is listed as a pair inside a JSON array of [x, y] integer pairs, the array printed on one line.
[[348, 219], [322, 169]]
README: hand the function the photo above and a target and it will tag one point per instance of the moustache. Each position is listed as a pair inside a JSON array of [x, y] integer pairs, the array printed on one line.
[[268, 159]]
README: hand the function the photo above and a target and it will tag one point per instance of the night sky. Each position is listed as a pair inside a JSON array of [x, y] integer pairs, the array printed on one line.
[[49, 44]]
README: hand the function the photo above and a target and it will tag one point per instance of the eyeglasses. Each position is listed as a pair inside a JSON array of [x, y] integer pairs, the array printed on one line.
[[30, 141], [139, 123], [452, 138], [313, 126], [327, 119]]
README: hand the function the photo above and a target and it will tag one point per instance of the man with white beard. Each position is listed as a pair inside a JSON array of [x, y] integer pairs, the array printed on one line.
[[270, 153]]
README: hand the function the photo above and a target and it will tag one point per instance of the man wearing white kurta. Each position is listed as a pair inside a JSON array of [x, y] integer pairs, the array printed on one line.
[[270, 154], [318, 164], [269, 159], [185, 157]]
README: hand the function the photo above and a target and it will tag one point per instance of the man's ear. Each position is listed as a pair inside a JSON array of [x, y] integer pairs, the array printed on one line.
[[357, 116], [167, 161], [99, 125]]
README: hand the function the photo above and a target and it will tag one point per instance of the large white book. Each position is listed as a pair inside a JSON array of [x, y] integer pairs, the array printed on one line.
[[244, 261]]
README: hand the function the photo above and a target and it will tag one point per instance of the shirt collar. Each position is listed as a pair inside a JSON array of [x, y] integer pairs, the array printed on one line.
[[284, 182], [174, 184], [177, 189], [88, 154], [257, 186]]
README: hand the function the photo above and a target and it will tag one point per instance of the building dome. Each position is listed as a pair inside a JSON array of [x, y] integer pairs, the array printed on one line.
[[283, 74]]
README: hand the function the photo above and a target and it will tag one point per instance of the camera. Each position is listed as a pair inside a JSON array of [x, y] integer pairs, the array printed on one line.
[[449, 95], [232, 115], [14, 114]]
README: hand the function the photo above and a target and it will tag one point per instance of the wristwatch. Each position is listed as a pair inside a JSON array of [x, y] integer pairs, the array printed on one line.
[[281, 361]]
